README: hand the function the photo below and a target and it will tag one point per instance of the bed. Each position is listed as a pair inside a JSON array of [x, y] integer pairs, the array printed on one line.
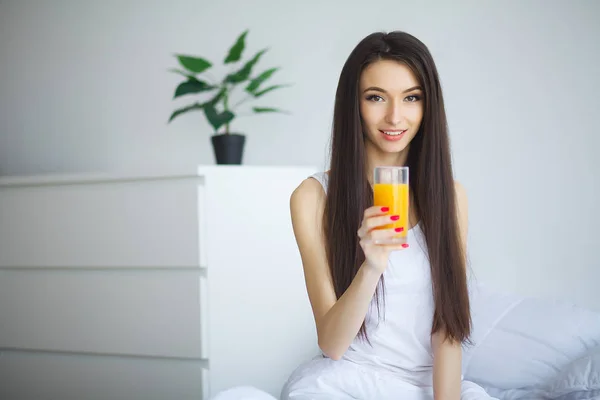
[[523, 348]]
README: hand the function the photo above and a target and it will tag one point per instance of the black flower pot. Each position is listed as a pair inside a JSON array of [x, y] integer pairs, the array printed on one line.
[[229, 149]]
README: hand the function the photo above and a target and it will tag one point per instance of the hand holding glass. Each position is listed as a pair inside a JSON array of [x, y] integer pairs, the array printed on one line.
[[391, 189]]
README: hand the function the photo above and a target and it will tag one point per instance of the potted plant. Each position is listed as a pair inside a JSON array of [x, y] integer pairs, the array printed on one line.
[[228, 146]]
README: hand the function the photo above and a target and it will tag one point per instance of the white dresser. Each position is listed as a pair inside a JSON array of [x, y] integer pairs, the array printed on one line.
[[170, 285]]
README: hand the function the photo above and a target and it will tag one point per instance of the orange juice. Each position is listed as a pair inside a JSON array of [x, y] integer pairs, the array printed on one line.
[[394, 196]]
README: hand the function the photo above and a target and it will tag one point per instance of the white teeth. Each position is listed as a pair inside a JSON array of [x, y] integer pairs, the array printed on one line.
[[393, 133]]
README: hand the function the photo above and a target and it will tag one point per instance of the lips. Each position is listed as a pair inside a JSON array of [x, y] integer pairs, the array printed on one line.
[[394, 135]]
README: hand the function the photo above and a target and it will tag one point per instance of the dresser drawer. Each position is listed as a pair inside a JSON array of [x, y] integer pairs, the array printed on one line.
[[140, 223], [131, 312], [26, 376]]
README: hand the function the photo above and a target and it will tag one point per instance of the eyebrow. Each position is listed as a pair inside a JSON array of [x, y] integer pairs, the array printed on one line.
[[378, 89]]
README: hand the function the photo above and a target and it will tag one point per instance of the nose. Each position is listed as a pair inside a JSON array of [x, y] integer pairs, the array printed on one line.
[[394, 113]]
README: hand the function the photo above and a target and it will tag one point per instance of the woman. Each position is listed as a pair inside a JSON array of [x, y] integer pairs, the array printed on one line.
[[391, 318]]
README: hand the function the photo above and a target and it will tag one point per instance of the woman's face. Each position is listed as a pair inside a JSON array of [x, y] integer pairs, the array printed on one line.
[[391, 105]]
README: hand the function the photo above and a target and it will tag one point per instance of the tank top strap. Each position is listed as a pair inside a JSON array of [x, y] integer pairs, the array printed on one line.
[[323, 179]]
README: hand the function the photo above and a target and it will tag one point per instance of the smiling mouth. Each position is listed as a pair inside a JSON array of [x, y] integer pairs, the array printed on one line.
[[393, 133]]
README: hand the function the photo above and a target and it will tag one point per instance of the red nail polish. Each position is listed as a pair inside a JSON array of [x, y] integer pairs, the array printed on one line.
[[405, 245], [395, 217], [399, 229], [385, 209]]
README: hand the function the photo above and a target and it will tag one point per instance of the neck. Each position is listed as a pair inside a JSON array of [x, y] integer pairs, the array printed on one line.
[[376, 158]]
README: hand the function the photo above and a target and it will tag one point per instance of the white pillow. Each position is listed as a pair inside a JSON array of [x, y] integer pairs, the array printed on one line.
[[580, 380], [487, 308], [582, 375], [525, 342]]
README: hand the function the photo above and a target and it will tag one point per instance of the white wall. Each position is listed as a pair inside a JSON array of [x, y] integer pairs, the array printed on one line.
[[84, 86]]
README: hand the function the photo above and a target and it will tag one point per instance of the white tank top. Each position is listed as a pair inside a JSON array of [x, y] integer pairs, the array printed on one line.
[[401, 340]]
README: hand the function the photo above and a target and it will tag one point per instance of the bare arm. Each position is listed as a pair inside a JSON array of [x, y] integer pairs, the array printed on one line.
[[446, 368], [448, 355], [338, 320]]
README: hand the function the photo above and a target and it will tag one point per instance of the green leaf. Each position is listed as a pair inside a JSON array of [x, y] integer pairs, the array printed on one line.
[[244, 73], [267, 90], [192, 86], [235, 52], [176, 113], [186, 74], [216, 119], [194, 64], [199, 106], [256, 82], [266, 109]]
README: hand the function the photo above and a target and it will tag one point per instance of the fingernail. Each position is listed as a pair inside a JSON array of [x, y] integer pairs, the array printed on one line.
[[395, 217], [385, 209], [405, 245], [399, 229]]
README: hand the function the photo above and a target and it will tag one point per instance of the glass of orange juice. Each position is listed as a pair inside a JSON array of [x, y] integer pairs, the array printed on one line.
[[390, 189]]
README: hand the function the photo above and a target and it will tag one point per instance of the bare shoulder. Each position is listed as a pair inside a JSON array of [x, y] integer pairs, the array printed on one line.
[[461, 194], [308, 197], [307, 205], [309, 190], [462, 205]]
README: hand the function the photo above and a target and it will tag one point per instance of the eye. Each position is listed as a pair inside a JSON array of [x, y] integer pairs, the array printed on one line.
[[374, 97], [413, 98]]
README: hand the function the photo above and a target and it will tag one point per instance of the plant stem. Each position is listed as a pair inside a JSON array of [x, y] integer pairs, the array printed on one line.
[[226, 105]]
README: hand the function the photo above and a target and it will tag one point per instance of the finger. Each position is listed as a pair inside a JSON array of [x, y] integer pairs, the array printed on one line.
[[384, 241], [386, 233], [371, 212], [383, 236], [361, 233], [375, 222], [375, 211], [397, 247]]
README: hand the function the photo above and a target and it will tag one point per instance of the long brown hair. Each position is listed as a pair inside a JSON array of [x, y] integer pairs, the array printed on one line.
[[431, 183]]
